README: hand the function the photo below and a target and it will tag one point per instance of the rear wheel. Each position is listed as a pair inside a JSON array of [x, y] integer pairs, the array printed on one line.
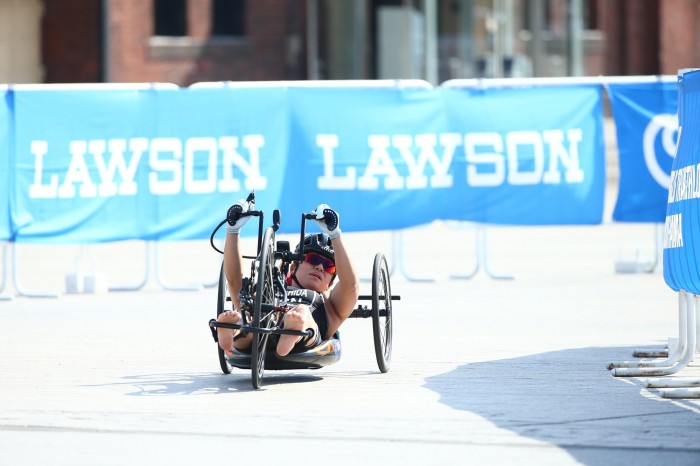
[[381, 312], [221, 307], [264, 295]]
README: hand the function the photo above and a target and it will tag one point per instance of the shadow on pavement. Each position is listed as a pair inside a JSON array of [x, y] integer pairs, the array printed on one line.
[[203, 383], [568, 399]]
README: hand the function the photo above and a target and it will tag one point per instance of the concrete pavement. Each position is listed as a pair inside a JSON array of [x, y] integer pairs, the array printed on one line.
[[484, 371]]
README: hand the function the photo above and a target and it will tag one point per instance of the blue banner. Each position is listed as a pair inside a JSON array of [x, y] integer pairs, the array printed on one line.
[[682, 225], [527, 156], [646, 126], [154, 164], [5, 163], [377, 155], [113, 165]]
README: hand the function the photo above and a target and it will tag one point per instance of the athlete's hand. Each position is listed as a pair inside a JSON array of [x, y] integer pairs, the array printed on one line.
[[235, 218], [328, 220]]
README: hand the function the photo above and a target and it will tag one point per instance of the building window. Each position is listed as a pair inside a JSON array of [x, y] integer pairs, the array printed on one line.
[[228, 18], [170, 17]]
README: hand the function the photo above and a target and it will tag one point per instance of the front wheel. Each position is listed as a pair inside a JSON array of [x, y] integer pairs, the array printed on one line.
[[264, 294], [381, 312]]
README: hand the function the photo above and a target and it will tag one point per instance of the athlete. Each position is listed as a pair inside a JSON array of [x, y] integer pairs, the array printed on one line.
[[316, 302]]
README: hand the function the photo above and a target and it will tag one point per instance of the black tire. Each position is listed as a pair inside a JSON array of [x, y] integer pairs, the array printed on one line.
[[381, 312], [226, 368], [264, 294]]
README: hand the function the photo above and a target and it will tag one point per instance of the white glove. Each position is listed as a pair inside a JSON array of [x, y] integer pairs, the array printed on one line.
[[233, 217], [328, 220]]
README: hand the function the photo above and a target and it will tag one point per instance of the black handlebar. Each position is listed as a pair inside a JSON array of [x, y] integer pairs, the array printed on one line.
[[235, 212]]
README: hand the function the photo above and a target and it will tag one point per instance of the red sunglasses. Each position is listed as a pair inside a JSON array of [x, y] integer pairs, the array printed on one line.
[[315, 259]]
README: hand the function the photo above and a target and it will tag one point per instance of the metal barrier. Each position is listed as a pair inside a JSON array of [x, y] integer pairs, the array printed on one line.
[[5, 267], [482, 261], [688, 346]]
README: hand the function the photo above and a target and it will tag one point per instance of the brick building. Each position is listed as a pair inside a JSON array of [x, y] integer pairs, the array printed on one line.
[[186, 41]]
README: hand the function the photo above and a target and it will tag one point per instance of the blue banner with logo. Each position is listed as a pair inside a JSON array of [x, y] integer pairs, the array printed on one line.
[[646, 125], [154, 164], [682, 224], [377, 155], [150, 164], [5, 163], [527, 156]]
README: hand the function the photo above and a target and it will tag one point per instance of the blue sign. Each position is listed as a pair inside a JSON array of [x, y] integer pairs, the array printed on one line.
[[527, 156], [646, 124], [112, 165], [682, 224], [377, 155], [165, 164], [5, 163]]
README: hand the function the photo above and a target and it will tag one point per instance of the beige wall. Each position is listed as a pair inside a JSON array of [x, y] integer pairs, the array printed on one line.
[[20, 41]]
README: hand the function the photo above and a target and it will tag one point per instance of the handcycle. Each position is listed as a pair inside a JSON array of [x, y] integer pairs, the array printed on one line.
[[263, 299]]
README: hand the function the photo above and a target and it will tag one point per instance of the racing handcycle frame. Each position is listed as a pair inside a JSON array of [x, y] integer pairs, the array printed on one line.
[[263, 299]]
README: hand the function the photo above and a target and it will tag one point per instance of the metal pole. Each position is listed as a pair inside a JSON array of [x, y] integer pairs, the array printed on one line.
[[575, 42], [536, 14], [312, 39], [431, 53], [359, 43], [495, 28]]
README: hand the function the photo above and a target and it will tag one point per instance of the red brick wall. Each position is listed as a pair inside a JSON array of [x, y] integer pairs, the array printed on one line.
[[260, 55], [631, 28], [679, 35], [72, 41], [641, 37]]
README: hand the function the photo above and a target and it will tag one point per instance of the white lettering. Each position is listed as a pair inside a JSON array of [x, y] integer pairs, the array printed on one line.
[[207, 184], [518, 174], [38, 190], [163, 185], [569, 158], [77, 173], [107, 171], [684, 184], [109, 168], [495, 176], [328, 142], [250, 167], [380, 164], [416, 168], [673, 232]]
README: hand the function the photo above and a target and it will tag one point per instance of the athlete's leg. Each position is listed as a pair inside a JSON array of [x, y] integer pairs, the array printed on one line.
[[298, 318]]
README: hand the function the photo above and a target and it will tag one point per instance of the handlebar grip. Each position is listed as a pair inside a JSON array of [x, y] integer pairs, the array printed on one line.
[[235, 212]]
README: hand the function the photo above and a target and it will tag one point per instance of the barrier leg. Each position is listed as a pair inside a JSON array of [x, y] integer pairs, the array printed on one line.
[[681, 393], [637, 266], [163, 283], [81, 282], [652, 353], [697, 324], [5, 267], [482, 259], [215, 282], [669, 382], [146, 274], [688, 350], [681, 387], [397, 246], [15, 278], [477, 262], [676, 355], [391, 260]]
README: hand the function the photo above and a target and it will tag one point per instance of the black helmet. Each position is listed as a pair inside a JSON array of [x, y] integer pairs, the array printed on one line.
[[318, 243]]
